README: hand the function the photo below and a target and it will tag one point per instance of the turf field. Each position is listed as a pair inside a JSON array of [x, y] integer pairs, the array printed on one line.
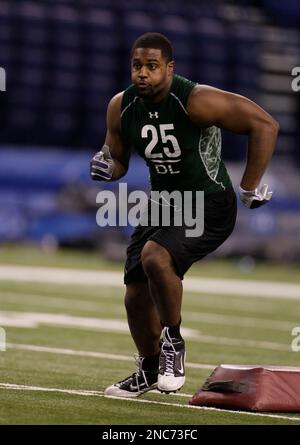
[[67, 337]]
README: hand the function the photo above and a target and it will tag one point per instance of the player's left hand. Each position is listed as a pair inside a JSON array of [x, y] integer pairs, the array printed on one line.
[[102, 165], [255, 198]]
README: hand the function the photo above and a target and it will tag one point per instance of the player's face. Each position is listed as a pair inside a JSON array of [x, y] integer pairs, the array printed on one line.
[[150, 72]]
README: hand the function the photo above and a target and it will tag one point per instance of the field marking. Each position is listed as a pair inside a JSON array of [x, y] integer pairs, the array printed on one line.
[[264, 289], [239, 320], [119, 357], [35, 319], [211, 300], [42, 388], [11, 386], [28, 299], [95, 354], [206, 408], [234, 303], [24, 299]]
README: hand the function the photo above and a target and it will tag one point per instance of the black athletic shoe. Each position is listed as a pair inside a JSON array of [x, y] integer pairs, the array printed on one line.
[[133, 386], [171, 375]]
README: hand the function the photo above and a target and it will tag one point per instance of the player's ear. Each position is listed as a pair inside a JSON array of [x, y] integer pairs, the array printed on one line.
[[170, 67]]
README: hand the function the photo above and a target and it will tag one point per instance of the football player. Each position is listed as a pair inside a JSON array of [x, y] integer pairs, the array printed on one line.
[[174, 125]]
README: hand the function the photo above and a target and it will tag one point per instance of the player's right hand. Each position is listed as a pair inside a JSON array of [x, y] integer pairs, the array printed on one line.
[[102, 165], [255, 198]]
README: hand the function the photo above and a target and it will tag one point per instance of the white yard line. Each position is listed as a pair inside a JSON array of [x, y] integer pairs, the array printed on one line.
[[41, 388], [239, 320], [116, 307], [236, 304], [11, 386], [96, 354], [116, 298], [265, 289], [28, 299], [35, 319], [205, 408], [115, 279]]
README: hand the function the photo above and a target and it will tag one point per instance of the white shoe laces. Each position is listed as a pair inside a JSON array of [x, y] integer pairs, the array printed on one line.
[[169, 354], [138, 361], [169, 358]]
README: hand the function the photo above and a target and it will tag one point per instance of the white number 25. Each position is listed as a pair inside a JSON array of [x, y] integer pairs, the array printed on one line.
[[173, 152]]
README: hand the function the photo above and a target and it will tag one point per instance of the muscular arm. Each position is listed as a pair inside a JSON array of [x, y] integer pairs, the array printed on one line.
[[210, 106], [114, 140]]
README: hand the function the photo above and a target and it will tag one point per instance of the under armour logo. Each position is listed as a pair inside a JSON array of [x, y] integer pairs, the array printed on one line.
[[155, 114]]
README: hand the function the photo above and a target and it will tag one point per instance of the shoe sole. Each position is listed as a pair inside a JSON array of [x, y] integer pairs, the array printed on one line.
[[164, 387], [164, 391]]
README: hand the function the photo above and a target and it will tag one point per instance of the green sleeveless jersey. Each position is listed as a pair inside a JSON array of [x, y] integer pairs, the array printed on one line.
[[179, 154]]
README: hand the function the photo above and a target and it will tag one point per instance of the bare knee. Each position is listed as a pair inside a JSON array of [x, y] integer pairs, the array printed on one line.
[[156, 260]]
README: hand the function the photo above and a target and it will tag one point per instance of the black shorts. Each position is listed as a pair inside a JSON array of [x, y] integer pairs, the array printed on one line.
[[220, 210]]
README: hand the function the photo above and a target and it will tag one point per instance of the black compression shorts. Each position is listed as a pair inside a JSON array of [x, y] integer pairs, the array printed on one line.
[[220, 210]]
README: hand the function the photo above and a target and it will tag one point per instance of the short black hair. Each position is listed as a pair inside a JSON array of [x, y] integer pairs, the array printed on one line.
[[157, 41]]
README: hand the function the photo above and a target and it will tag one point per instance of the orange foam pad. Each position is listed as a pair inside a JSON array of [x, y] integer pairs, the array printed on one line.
[[251, 388]]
